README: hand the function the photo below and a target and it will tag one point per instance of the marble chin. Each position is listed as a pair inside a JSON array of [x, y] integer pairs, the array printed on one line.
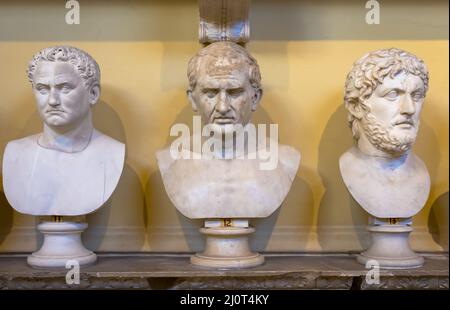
[[388, 139]]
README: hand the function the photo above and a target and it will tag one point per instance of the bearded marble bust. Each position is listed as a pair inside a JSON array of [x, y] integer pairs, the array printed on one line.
[[384, 95], [69, 168], [225, 89]]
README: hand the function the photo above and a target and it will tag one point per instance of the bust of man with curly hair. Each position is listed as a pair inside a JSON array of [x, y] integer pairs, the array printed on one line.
[[384, 95]]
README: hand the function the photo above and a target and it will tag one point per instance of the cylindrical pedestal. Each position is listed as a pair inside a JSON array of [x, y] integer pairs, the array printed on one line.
[[390, 248], [227, 247], [62, 242]]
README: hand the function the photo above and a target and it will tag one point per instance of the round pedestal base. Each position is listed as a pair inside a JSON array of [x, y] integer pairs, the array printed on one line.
[[62, 243], [390, 248], [227, 247]]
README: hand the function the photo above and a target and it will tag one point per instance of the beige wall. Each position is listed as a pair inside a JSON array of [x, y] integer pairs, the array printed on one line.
[[143, 59]]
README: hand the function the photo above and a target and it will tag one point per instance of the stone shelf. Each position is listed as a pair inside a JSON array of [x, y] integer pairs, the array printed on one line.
[[173, 271]]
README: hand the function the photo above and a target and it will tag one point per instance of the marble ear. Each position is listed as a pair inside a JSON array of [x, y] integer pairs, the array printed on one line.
[[191, 100], [94, 94], [256, 98], [355, 108]]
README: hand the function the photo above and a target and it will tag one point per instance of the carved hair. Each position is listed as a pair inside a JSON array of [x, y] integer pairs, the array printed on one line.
[[369, 71], [86, 66], [234, 53]]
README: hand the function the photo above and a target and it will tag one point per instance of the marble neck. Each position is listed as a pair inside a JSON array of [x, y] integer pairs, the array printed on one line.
[[392, 162], [230, 149], [68, 140]]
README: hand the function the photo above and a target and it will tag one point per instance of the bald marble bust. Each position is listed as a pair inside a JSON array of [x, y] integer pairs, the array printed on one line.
[[225, 89], [384, 95], [69, 168]]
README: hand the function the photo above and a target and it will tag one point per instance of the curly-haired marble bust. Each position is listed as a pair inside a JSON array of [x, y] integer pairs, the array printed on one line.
[[384, 95]]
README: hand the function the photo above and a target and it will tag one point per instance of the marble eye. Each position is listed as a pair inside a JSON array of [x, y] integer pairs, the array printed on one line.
[[235, 92], [41, 89], [391, 95], [210, 93], [418, 95], [66, 89]]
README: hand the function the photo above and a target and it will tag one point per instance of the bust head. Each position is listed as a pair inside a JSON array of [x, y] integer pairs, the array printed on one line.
[[384, 94], [224, 84], [78, 167], [66, 84]]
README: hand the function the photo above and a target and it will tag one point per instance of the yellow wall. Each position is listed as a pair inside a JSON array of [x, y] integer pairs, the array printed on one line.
[[143, 94]]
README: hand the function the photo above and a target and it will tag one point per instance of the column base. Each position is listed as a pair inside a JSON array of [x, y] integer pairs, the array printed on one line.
[[62, 243], [390, 248], [227, 247]]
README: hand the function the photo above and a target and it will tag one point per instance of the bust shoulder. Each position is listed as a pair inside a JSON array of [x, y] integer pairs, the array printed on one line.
[[386, 187], [289, 158], [15, 147], [164, 159], [42, 181], [106, 144]]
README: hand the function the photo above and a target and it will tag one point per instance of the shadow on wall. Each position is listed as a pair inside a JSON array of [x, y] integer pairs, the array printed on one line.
[[430, 232], [288, 228], [168, 229], [438, 221], [6, 217], [17, 231], [427, 149], [341, 221], [119, 224]]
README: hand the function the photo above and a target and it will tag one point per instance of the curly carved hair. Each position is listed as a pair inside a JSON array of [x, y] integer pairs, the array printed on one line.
[[233, 52], [369, 72], [86, 66]]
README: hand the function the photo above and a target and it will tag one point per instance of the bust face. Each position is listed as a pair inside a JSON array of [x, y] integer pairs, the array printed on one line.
[[61, 95], [224, 96], [395, 107]]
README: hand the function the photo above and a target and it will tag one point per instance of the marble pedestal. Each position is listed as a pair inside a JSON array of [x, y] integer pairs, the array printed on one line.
[[227, 247], [390, 247], [62, 242]]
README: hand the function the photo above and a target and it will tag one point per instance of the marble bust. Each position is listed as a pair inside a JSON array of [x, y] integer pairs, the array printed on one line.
[[225, 89], [68, 169], [384, 95]]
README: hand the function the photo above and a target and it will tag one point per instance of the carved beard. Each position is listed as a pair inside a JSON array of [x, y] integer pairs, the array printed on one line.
[[385, 138]]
